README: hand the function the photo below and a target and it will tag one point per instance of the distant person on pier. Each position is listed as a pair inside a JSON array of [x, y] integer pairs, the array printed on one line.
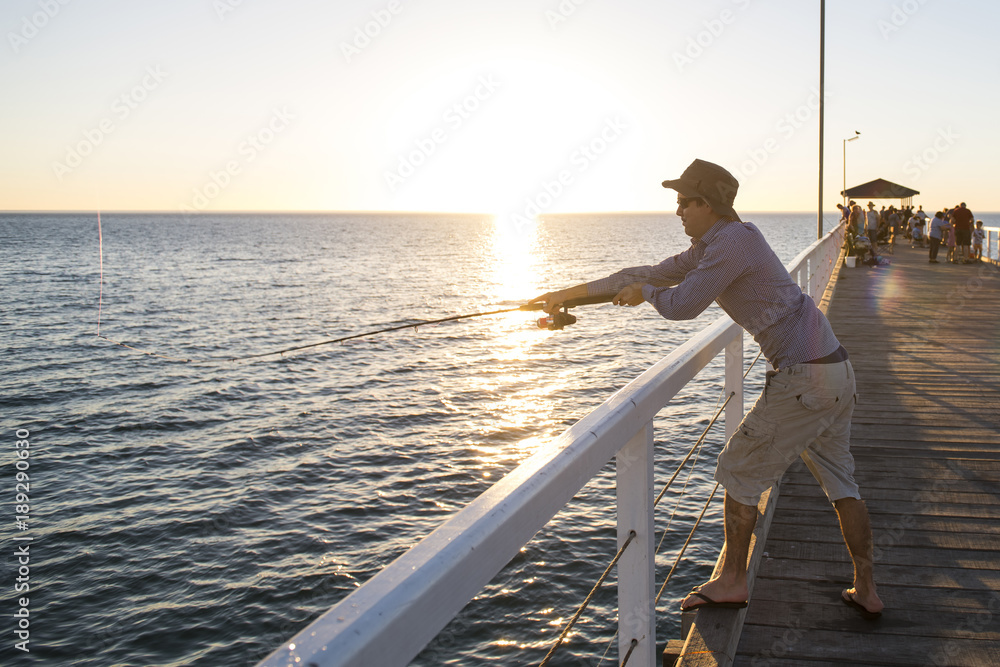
[[808, 399], [936, 234], [895, 221], [978, 234], [916, 226], [855, 220], [962, 221], [871, 225], [845, 213], [949, 241]]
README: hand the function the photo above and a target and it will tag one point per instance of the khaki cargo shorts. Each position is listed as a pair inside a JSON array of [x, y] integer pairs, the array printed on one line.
[[804, 411]]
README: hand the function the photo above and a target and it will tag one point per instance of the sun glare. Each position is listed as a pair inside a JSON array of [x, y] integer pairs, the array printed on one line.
[[515, 252]]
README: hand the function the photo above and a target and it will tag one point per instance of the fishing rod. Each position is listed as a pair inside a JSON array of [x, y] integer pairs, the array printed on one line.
[[555, 322]]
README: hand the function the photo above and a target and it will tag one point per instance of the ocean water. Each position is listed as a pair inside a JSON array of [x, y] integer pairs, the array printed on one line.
[[201, 513]]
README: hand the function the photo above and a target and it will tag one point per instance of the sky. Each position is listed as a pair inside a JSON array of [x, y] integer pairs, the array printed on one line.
[[507, 108]]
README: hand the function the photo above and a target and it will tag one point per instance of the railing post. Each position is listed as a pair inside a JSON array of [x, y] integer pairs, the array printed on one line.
[[811, 275], [636, 615], [734, 384]]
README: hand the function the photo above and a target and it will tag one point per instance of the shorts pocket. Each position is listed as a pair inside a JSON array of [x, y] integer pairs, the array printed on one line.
[[817, 402], [756, 432]]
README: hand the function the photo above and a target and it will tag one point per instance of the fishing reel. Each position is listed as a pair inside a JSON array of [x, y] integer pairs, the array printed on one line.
[[557, 321], [561, 318]]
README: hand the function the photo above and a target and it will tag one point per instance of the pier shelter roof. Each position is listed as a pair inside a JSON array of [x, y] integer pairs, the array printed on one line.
[[882, 189]]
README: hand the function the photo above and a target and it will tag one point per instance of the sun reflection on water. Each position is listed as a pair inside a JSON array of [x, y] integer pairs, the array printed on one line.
[[515, 390]]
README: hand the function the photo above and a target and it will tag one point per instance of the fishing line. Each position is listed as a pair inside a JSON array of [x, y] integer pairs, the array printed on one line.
[[559, 320]]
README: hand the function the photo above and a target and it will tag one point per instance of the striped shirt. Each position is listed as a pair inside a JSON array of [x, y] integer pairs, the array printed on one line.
[[734, 265]]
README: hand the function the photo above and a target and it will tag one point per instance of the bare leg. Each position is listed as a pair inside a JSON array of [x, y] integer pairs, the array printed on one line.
[[731, 583], [857, 530]]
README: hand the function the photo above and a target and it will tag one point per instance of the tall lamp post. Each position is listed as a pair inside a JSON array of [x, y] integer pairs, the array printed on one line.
[[822, 96], [856, 135]]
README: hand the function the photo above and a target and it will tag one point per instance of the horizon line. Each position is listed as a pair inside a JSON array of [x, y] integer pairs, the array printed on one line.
[[354, 211]]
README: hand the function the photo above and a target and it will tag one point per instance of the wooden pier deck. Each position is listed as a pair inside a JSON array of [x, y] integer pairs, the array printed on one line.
[[924, 340]]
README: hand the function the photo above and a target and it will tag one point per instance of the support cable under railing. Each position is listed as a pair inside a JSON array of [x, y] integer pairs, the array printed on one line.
[[684, 547], [635, 642], [586, 602], [696, 446], [677, 560], [659, 497], [693, 449], [750, 367]]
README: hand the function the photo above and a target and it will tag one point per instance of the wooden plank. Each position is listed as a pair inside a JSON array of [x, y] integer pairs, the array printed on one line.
[[887, 523], [863, 646], [880, 457], [936, 493], [902, 508], [899, 600], [976, 559], [935, 576], [900, 536], [917, 478], [823, 609]]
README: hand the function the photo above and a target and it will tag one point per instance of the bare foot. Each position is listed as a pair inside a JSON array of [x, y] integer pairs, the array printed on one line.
[[716, 590], [869, 605]]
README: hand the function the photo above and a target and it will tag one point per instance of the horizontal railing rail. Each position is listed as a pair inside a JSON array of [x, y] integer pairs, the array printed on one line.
[[388, 620]]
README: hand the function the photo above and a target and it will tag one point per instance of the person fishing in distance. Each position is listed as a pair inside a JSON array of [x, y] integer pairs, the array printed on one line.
[[808, 399]]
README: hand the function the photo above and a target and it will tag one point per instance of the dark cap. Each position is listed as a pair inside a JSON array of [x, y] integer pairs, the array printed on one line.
[[710, 182]]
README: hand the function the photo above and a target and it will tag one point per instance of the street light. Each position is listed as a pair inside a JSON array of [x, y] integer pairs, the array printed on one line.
[[856, 135]]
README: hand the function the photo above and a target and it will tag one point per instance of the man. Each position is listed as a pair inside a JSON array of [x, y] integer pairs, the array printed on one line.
[[962, 219], [895, 225], [916, 227], [806, 406], [871, 226], [936, 235]]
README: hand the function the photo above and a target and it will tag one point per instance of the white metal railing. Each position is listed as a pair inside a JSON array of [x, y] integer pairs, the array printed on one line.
[[389, 620]]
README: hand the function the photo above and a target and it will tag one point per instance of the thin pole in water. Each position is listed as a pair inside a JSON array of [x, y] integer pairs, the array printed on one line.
[[100, 252]]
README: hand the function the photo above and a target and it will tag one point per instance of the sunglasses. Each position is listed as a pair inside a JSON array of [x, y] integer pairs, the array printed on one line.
[[684, 202]]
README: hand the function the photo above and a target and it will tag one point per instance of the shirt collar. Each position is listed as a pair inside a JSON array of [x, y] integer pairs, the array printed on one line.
[[714, 229]]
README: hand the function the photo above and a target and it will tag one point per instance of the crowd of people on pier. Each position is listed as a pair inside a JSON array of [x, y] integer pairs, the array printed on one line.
[[954, 228]]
